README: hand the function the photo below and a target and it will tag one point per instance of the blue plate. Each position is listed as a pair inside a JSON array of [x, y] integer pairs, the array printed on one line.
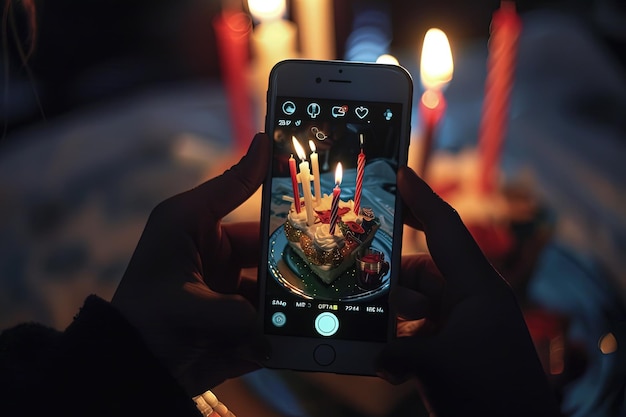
[[290, 271]]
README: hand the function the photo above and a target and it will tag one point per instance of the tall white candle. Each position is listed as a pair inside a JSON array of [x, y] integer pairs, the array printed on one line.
[[272, 40], [315, 164], [316, 23], [305, 179]]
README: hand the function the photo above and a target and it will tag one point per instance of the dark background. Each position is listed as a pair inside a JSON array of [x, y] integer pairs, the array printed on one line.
[[88, 51]]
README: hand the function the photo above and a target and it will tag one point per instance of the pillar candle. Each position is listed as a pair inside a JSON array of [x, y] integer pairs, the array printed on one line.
[[315, 165], [360, 169], [305, 180], [273, 39], [432, 108], [316, 24], [436, 69], [232, 30], [505, 30], [294, 183], [334, 207]]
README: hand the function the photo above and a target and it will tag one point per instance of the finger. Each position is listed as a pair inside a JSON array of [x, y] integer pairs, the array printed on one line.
[[238, 249], [409, 304], [228, 191], [204, 310], [244, 242], [452, 247], [419, 290], [402, 357]]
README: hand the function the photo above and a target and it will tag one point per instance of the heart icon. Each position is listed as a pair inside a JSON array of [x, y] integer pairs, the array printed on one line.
[[361, 111]]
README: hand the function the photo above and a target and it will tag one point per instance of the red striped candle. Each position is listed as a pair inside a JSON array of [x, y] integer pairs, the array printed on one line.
[[232, 31], [294, 183], [360, 168], [334, 208], [506, 26]]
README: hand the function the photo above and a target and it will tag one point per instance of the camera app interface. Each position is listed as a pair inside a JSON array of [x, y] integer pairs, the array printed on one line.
[[333, 197]]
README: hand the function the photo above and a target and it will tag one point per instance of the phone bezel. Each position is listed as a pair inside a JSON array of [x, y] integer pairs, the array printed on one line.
[[333, 80]]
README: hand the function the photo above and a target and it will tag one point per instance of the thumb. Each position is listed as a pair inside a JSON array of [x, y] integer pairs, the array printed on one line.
[[403, 357], [228, 191]]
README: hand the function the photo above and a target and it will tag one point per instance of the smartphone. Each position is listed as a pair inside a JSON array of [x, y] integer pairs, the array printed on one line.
[[331, 217]]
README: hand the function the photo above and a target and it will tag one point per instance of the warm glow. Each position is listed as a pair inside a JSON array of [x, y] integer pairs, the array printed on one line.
[[436, 65], [431, 99], [387, 59], [312, 145], [299, 149], [338, 174], [267, 9], [608, 344]]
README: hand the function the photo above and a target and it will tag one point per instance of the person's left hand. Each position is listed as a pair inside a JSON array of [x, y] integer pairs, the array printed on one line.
[[182, 288]]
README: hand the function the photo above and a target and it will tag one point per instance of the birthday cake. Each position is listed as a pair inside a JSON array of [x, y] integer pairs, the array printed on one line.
[[329, 255]]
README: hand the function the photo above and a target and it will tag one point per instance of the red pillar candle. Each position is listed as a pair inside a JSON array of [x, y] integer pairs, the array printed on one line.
[[334, 207], [432, 108], [505, 30], [294, 183], [232, 30], [436, 69], [360, 169]]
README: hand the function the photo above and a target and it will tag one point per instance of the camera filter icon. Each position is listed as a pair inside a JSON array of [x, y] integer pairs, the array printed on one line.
[[289, 108], [279, 319], [361, 112], [313, 109]]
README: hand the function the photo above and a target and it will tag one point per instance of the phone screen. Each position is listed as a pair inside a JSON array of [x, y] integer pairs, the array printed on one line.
[[331, 222]]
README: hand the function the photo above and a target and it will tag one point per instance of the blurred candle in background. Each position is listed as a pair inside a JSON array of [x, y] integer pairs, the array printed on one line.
[[436, 69], [316, 27], [232, 29], [387, 59], [273, 39], [505, 29]]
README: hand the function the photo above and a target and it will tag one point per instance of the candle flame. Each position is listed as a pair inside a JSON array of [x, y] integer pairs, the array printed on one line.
[[387, 59], [431, 99], [299, 149], [267, 9], [312, 145], [436, 66], [338, 173]]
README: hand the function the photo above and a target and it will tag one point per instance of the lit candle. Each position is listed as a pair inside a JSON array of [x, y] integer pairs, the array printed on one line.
[[315, 164], [305, 180], [273, 40], [334, 208], [360, 168], [436, 68], [506, 26], [294, 183], [316, 23], [232, 30]]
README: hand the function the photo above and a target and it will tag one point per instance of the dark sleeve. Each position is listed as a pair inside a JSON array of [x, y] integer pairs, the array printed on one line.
[[98, 367]]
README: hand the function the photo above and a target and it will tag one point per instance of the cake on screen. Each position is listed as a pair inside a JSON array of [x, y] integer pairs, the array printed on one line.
[[328, 233], [330, 255]]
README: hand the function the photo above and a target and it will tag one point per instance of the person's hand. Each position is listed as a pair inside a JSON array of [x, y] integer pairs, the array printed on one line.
[[461, 332], [182, 288]]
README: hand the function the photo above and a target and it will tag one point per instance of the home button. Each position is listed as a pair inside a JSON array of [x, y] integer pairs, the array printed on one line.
[[324, 355]]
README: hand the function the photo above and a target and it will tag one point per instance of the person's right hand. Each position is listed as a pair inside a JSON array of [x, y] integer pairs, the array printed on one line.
[[462, 333]]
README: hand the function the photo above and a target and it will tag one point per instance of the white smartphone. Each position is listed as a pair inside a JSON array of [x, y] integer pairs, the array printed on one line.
[[331, 217]]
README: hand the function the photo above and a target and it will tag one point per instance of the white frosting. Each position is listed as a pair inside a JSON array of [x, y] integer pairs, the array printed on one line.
[[298, 220], [325, 241]]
